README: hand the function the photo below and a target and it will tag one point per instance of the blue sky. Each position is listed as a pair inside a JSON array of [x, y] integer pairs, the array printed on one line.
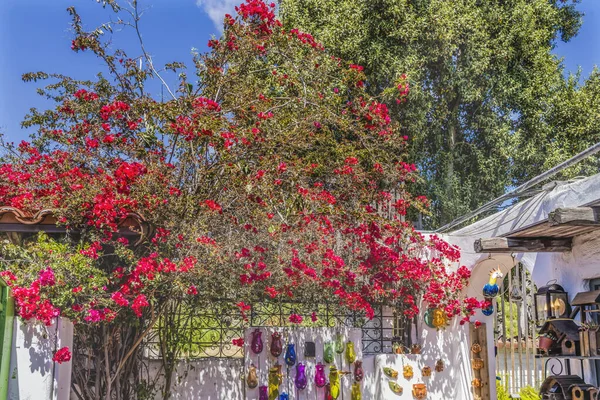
[[35, 36]]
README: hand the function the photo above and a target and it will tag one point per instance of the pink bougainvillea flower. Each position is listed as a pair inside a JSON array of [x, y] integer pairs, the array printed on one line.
[[62, 355]]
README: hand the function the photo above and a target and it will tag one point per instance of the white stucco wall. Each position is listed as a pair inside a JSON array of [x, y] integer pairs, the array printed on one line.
[[34, 376]]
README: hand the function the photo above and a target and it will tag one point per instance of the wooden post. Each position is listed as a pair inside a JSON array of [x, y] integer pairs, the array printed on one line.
[[479, 336]]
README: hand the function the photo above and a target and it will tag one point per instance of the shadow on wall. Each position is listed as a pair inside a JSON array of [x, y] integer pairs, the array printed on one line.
[[210, 379]]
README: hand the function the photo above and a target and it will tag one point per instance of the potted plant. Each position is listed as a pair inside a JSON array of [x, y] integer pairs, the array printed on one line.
[[547, 340]]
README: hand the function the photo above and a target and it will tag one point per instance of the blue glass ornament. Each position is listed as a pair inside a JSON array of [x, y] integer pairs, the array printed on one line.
[[489, 310], [290, 355], [284, 396]]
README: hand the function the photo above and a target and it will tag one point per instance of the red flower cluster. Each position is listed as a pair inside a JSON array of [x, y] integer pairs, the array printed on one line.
[[62, 355]]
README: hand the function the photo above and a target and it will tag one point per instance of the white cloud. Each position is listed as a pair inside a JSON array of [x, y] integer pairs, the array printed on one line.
[[216, 10]]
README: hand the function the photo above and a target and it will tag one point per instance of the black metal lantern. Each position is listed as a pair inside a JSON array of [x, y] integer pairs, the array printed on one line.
[[551, 301]]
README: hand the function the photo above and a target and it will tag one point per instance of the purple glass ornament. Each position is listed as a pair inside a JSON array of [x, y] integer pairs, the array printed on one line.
[[276, 345], [320, 378], [263, 393], [300, 380], [257, 343]]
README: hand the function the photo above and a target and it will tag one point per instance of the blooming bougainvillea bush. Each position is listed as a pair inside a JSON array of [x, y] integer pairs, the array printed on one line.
[[272, 174]]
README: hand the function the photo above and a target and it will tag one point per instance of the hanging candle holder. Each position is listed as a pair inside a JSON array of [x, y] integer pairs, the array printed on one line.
[[426, 371], [390, 372], [263, 393], [355, 393], [252, 378], [350, 352], [419, 391], [257, 343], [407, 372], [328, 352], [395, 388], [439, 366], [320, 378], [339, 343], [358, 371], [290, 355], [276, 345], [415, 349], [334, 382], [275, 380], [300, 380]]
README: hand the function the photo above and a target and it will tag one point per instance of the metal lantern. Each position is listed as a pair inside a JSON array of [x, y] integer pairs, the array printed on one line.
[[551, 301]]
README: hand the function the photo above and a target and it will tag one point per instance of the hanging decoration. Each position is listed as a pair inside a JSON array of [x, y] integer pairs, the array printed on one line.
[[407, 372], [275, 380], [284, 396], [263, 393], [416, 348], [476, 348], [477, 363], [397, 347], [488, 308], [334, 382], [257, 343], [426, 371], [290, 355], [419, 391], [328, 352], [350, 352], [440, 318], [490, 290], [358, 371], [276, 345], [252, 379], [300, 381], [439, 366], [355, 394], [320, 378], [390, 372], [327, 392], [339, 343], [394, 387]]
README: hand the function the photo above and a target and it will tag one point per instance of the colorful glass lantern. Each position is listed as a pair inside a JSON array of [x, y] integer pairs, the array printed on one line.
[[394, 387], [257, 343], [276, 345], [488, 309], [339, 343], [284, 396], [320, 378], [407, 372], [350, 352], [300, 380], [359, 374], [290, 355], [335, 385], [355, 394], [327, 392], [263, 393], [252, 379], [328, 352], [426, 371], [419, 391], [439, 366], [275, 380], [390, 372], [551, 301], [440, 319]]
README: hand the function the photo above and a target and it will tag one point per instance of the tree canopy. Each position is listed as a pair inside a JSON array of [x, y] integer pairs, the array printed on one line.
[[489, 106]]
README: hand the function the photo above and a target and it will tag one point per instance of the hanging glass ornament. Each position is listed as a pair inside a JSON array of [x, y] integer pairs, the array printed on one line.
[[335, 385], [350, 353], [358, 371], [320, 378], [275, 380], [263, 393], [328, 352], [394, 387], [339, 343], [489, 308], [290, 355], [355, 393], [284, 396], [276, 345], [252, 379], [390, 372], [300, 380], [257, 343]]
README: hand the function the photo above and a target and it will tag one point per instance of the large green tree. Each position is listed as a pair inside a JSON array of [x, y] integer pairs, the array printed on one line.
[[486, 90]]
